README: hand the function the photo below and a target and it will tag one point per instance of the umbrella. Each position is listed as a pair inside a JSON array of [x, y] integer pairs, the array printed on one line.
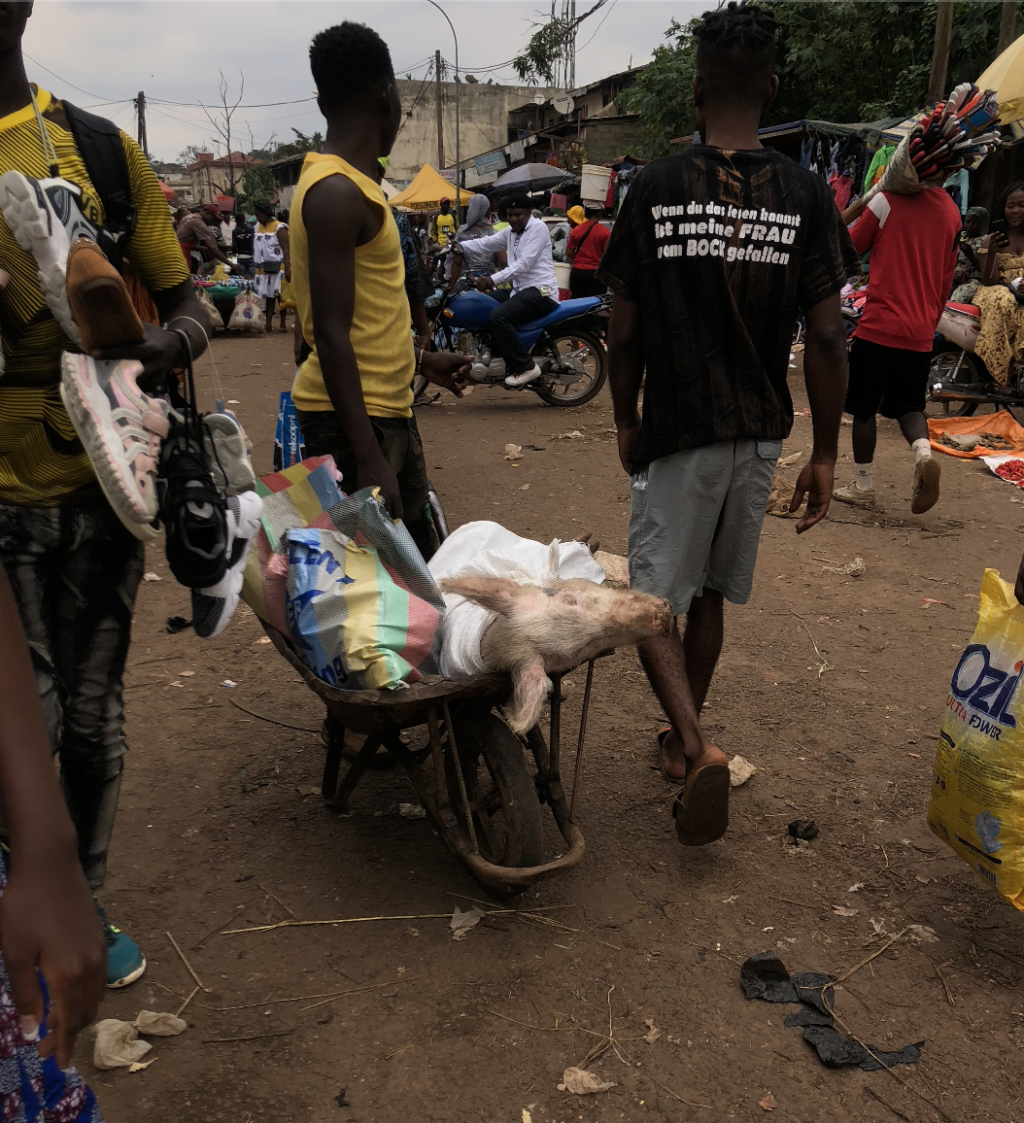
[[531, 177], [1006, 77]]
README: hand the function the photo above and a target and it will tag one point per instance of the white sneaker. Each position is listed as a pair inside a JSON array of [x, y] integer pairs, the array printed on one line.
[[213, 608], [121, 429], [516, 380], [227, 446], [46, 220], [854, 495]]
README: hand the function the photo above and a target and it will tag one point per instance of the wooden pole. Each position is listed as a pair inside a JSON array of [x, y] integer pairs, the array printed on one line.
[[141, 106], [438, 92], [1007, 25], [940, 55]]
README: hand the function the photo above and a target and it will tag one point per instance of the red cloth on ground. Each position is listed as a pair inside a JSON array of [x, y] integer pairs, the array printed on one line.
[[589, 256], [913, 241]]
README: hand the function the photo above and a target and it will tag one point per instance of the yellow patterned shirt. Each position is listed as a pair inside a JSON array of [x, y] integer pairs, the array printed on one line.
[[42, 462]]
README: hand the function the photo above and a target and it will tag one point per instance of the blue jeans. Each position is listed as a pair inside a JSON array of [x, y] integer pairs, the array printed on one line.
[[517, 308], [74, 572]]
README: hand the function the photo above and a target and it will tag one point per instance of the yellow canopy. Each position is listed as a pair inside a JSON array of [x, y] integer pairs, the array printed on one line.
[[1006, 77], [427, 190]]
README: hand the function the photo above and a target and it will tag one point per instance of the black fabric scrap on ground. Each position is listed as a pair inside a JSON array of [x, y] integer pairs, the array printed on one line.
[[764, 976]]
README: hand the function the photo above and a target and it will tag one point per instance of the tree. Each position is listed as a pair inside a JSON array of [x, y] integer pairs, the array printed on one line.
[[549, 55], [189, 155], [221, 121], [837, 60]]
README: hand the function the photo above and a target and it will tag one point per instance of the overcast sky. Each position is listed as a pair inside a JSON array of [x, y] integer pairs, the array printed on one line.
[[107, 52]]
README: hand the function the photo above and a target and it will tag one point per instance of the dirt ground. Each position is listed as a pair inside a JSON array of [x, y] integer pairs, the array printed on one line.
[[216, 824]]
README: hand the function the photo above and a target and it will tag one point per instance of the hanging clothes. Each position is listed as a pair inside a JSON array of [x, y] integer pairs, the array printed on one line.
[[879, 162], [842, 188]]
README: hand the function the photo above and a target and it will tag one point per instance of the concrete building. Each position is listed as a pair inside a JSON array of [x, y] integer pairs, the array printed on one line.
[[585, 126], [221, 175], [178, 179], [483, 112]]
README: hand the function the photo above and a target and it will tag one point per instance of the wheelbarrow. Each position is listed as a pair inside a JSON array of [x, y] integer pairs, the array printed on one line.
[[473, 776]]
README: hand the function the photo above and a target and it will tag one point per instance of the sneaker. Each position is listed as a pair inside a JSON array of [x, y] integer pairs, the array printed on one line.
[[99, 300], [46, 219], [854, 495], [125, 961], [121, 429], [213, 607], [516, 380], [227, 447], [194, 512], [926, 485]]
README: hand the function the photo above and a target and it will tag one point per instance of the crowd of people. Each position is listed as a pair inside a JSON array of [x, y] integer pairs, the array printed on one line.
[[707, 334]]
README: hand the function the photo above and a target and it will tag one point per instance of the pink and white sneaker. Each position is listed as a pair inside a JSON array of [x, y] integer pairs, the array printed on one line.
[[121, 429]]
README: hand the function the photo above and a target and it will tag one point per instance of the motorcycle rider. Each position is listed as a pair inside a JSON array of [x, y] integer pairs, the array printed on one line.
[[534, 291]]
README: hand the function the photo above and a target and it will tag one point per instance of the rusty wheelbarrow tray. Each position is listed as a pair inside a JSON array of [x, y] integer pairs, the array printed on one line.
[[472, 777]]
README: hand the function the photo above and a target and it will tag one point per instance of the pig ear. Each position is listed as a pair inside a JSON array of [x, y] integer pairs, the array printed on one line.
[[532, 686], [499, 594]]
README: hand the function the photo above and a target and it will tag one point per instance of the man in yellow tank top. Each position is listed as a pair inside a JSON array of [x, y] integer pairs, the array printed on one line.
[[353, 393]]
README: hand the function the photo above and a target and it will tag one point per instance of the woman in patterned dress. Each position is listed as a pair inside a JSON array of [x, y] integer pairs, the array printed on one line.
[[271, 258]]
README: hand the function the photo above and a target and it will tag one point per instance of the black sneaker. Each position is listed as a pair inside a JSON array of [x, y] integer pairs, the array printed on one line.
[[193, 511]]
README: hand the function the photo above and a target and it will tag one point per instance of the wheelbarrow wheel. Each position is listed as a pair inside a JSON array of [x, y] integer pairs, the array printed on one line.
[[501, 792]]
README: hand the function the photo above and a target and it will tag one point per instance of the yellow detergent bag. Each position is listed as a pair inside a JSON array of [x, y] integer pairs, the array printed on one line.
[[977, 799]]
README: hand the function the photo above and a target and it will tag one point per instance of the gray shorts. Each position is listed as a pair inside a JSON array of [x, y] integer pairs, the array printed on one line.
[[695, 521]]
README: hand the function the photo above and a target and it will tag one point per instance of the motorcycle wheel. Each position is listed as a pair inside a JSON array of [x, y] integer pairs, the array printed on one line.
[[590, 359], [942, 366]]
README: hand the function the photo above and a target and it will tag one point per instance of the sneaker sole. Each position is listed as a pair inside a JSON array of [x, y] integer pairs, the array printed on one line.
[[864, 504], [130, 978], [30, 219], [233, 580], [112, 322], [520, 385], [91, 420], [225, 445], [926, 489]]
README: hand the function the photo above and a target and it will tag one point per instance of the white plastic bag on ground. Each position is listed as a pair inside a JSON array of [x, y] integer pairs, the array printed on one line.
[[485, 549]]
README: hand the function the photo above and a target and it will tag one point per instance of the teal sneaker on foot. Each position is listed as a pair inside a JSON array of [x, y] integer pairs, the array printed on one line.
[[125, 961]]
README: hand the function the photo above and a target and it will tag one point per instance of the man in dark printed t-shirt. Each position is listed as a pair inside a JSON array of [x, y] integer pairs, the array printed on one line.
[[714, 253]]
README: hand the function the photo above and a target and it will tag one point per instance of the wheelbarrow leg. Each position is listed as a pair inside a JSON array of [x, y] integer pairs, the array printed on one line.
[[332, 765], [338, 800]]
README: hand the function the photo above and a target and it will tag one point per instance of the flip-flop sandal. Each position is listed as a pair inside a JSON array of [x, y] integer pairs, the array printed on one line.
[[662, 737], [701, 810]]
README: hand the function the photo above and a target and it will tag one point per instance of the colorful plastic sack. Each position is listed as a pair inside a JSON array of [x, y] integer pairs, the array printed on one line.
[[352, 616], [289, 447], [247, 314], [977, 798], [300, 496]]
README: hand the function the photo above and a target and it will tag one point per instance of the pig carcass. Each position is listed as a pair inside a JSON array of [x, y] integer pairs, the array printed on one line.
[[538, 630]]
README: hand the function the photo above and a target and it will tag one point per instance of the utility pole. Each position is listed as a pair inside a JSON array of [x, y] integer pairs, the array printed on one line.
[[1007, 25], [940, 55], [140, 105], [439, 95]]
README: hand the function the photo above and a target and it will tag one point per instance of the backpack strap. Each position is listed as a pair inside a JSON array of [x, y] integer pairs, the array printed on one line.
[[102, 151]]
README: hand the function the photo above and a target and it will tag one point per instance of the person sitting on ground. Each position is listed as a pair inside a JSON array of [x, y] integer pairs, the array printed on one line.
[[587, 244], [707, 319], [353, 392], [534, 291], [1000, 342], [913, 241], [442, 227], [967, 276]]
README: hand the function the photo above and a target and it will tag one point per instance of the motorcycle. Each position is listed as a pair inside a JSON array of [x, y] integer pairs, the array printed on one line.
[[568, 344], [958, 380]]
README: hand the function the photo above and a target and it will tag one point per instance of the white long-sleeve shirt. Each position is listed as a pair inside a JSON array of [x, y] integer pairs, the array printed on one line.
[[529, 256]]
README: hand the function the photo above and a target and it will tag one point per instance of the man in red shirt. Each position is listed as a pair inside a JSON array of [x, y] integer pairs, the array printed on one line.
[[913, 243], [585, 250]]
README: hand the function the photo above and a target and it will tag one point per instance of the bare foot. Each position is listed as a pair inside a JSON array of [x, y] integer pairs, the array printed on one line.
[[676, 765]]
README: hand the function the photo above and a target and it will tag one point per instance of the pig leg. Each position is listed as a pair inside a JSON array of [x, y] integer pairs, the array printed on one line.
[[532, 687]]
